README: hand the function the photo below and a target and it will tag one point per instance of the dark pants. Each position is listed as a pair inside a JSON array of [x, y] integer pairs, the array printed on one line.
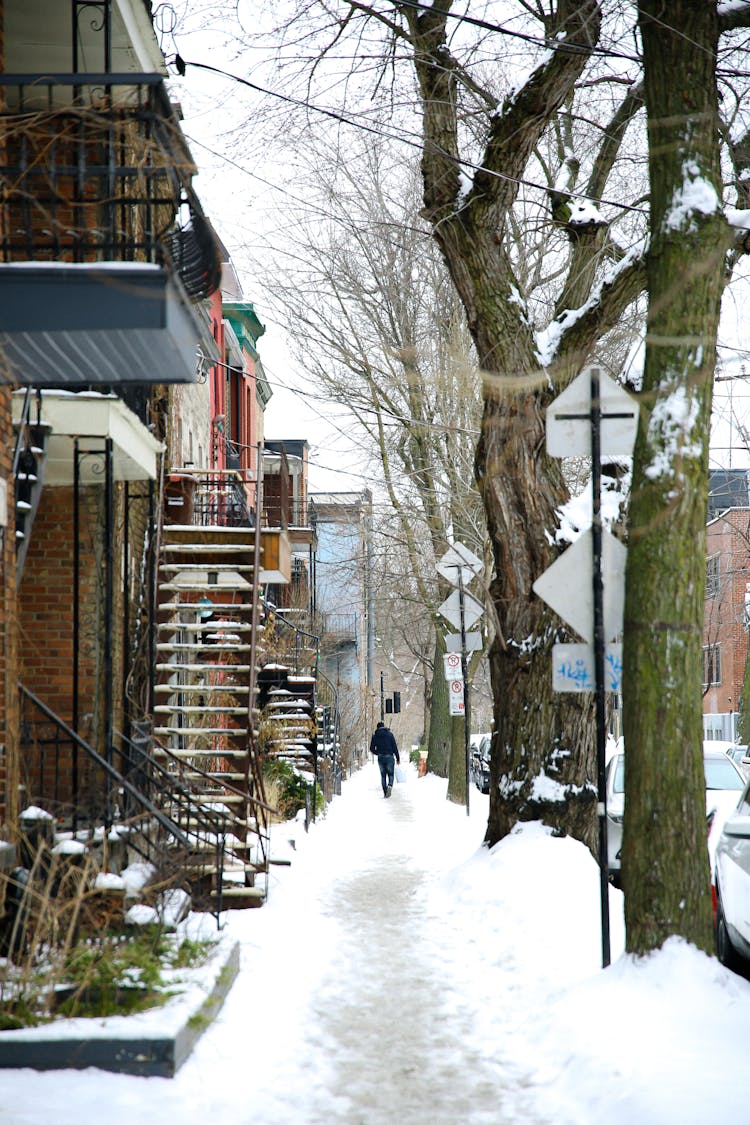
[[387, 763]]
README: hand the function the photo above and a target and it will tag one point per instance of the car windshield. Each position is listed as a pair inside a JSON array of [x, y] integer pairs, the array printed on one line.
[[618, 785], [721, 774]]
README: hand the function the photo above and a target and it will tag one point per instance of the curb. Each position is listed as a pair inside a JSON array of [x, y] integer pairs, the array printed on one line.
[[159, 1054]]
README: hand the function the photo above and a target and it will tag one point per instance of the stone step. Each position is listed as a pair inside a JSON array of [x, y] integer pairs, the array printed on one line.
[[186, 709], [179, 667], [215, 607], [204, 732]]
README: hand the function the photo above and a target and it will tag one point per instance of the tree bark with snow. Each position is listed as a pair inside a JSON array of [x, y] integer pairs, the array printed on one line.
[[664, 862], [542, 765]]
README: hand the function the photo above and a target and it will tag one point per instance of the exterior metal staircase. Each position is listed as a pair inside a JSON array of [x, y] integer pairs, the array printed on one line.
[[205, 688], [29, 459]]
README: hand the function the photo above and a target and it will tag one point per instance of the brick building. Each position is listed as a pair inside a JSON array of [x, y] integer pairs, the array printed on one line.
[[725, 629]]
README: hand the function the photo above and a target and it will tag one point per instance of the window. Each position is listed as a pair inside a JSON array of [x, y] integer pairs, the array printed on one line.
[[712, 576], [711, 664]]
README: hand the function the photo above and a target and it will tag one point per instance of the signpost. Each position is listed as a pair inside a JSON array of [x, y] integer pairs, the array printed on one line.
[[592, 417], [459, 566]]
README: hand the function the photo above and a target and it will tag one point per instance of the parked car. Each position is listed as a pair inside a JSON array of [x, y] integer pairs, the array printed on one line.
[[480, 763], [739, 756], [724, 783], [615, 777], [723, 788], [732, 887]]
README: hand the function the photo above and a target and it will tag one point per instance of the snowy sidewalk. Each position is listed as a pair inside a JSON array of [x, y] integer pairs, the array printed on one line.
[[402, 975]]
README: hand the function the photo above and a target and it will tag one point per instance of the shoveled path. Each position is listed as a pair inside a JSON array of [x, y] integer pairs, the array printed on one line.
[[357, 1001]]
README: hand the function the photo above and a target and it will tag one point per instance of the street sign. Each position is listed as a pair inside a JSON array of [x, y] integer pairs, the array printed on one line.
[[474, 642], [573, 668], [456, 697], [452, 664], [569, 419], [451, 610], [459, 560], [567, 585]]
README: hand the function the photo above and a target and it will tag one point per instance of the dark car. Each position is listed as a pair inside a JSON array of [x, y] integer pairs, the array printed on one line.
[[480, 763], [732, 888]]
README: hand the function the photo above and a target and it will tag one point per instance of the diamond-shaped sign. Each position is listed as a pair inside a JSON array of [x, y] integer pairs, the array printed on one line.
[[451, 610], [568, 585], [569, 418], [458, 559]]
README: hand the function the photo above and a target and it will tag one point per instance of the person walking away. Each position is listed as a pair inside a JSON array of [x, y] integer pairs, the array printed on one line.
[[383, 746]]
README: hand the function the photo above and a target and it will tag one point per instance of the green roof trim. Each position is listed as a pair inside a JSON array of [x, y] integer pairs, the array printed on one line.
[[244, 320]]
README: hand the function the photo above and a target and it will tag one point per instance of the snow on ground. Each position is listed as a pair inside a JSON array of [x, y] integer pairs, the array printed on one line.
[[403, 974]]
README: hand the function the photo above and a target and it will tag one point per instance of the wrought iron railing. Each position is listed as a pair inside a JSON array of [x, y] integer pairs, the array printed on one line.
[[211, 499], [340, 627], [298, 646], [292, 513], [85, 792], [95, 168]]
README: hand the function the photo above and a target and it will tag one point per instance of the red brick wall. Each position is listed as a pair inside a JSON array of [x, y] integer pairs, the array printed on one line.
[[8, 635], [46, 615], [729, 538]]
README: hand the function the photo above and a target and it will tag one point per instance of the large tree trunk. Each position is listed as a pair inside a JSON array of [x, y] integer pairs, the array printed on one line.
[[664, 861], [542, 760], [457, 767]]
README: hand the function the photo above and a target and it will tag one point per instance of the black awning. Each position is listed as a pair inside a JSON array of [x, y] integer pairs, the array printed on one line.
[[102, 323]]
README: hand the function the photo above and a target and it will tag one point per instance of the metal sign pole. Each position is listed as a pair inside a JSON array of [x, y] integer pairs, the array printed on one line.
[[465, 676], [598, 591]]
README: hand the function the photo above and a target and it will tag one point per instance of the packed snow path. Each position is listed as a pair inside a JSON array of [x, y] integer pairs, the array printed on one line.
[[387, 1011], [355, 1001], [401, 974]]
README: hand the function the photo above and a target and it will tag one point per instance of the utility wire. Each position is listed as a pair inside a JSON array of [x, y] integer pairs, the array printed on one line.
[[182, 64]]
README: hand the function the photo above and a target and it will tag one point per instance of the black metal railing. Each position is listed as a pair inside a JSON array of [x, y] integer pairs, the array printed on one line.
[[300, 647], [329, 736], [158, 814], [291, 513], [208, 499], [340, 627], [95, 168], [220, 500]]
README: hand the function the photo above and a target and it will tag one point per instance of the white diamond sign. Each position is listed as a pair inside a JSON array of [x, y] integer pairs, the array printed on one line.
[[451, 610], [569, 418], [568, 585], [458, 559]]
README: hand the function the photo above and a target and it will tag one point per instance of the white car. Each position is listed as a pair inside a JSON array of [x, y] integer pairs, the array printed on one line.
[[724, 783], [732, 887]]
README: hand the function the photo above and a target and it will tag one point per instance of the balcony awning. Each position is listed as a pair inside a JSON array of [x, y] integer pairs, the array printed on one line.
[[92, 417], [99, 323]]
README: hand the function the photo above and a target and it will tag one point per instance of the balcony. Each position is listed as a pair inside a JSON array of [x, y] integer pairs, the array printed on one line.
[[286, 513], [339, 628], [215, 498], [105, 253]]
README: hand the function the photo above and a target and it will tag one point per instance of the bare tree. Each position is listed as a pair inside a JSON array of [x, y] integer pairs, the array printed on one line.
[[384, 335]]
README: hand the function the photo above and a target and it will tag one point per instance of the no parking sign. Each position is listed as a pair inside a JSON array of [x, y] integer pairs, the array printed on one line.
[[456, 697]]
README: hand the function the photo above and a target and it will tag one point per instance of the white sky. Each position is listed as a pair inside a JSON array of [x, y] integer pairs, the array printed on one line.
[[401, 974]]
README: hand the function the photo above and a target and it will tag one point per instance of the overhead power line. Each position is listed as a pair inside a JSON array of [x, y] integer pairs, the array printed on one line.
[[343, 119]]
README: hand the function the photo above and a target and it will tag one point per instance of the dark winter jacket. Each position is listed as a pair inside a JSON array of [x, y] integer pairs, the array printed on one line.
[[383, 742]]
